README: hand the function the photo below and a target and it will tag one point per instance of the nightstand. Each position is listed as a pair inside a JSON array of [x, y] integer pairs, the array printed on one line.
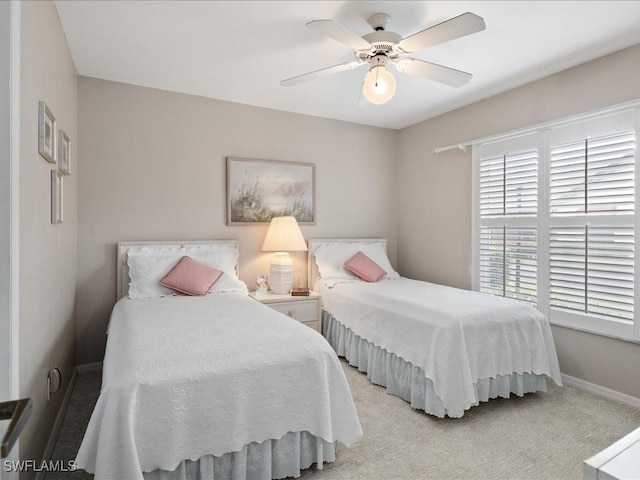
[[303, 309]]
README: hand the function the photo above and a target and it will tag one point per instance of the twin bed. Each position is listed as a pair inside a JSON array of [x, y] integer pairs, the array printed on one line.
[[217, 387], [221, 386], [442, 349]]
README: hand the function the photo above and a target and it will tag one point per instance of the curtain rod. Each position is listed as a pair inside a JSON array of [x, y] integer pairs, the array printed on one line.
[[459, 146], [464, 146]]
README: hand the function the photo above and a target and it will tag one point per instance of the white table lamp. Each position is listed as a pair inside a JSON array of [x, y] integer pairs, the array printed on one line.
[[283, 236]]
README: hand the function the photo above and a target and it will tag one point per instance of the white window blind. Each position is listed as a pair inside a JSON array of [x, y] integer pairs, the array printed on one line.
[[592, 270], [508, 189], [593, 175], [508, 262], [592, 265], [509, 185]]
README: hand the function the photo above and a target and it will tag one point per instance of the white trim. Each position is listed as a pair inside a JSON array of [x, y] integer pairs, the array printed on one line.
[[475, 219], [636, 229], [543, 292], [14, 215], [15, 196], [520, 221], [620, 107], [599, 390], [591, 323], [55, 431]]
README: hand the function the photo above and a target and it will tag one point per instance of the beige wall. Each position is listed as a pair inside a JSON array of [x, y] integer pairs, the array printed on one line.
[[48, 253], [434, 233], [153, 168]]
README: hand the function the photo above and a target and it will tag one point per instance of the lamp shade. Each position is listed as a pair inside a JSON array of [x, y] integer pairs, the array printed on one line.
[[379, 85], [284, 235]]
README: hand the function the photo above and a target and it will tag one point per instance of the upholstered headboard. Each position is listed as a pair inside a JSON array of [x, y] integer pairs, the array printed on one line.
[[312, 268], [123, 269]]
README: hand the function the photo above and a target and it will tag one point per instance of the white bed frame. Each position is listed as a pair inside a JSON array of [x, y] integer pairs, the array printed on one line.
[[312, 268], [123, 247]]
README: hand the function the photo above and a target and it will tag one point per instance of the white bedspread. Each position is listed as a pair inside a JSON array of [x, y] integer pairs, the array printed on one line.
[[185, 377], [456, 336]]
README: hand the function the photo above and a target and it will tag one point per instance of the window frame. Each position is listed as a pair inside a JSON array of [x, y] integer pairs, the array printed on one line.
[[575, 320]]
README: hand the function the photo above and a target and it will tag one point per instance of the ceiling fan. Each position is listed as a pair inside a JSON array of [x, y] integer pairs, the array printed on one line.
[[380, 48]]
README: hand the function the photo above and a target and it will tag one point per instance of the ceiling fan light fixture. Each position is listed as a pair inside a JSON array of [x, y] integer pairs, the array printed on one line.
[[379, 85], [382, 47]]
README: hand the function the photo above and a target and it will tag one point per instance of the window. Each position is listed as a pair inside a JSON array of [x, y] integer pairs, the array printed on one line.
[[555, 220]]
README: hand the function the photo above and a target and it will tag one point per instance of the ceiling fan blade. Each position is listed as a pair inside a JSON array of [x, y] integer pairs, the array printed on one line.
[[339, 33], [322, 72], [433, 71], [457, 27]]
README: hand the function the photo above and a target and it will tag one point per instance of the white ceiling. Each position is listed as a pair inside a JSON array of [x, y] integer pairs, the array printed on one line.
[[240, 50]]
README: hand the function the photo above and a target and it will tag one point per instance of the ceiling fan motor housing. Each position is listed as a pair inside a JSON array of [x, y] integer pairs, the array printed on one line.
[[382, 42]]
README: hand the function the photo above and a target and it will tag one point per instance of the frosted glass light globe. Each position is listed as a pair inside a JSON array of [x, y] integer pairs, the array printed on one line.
[[379, 85]]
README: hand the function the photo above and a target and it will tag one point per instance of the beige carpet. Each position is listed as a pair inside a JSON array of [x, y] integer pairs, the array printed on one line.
[[539, 436]]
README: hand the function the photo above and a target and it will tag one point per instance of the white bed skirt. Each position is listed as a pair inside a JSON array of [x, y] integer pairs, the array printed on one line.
[[281, 458], [408, 381]]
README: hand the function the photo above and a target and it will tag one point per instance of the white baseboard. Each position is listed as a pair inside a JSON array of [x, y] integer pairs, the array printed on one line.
[[600, 390], [55, 431]]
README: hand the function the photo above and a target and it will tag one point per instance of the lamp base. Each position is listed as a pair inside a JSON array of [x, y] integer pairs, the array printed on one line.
[[281, 273]]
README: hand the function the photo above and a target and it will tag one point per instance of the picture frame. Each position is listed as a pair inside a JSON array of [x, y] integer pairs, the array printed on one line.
[[46, 133], [57, 187], [64, 153], [258, 190]]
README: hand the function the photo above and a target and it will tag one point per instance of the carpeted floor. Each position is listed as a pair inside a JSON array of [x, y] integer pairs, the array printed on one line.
[[539, 436]]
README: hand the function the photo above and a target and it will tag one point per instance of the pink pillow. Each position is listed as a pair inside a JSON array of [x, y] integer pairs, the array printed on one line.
[[191, 277], [365, 268]]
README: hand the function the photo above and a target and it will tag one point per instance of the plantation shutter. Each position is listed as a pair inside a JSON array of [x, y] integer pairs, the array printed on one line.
[[521, 263], [592, 202], [593, 175], [555, 217], [492, 260], [509, 185], [508, 204]]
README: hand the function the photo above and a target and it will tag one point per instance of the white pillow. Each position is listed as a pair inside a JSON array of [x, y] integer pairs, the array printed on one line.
[[147, 268], [148, 265], [331, 257], [221, 258]]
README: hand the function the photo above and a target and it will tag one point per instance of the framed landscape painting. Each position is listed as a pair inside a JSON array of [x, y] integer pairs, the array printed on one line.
[[258, 190]]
